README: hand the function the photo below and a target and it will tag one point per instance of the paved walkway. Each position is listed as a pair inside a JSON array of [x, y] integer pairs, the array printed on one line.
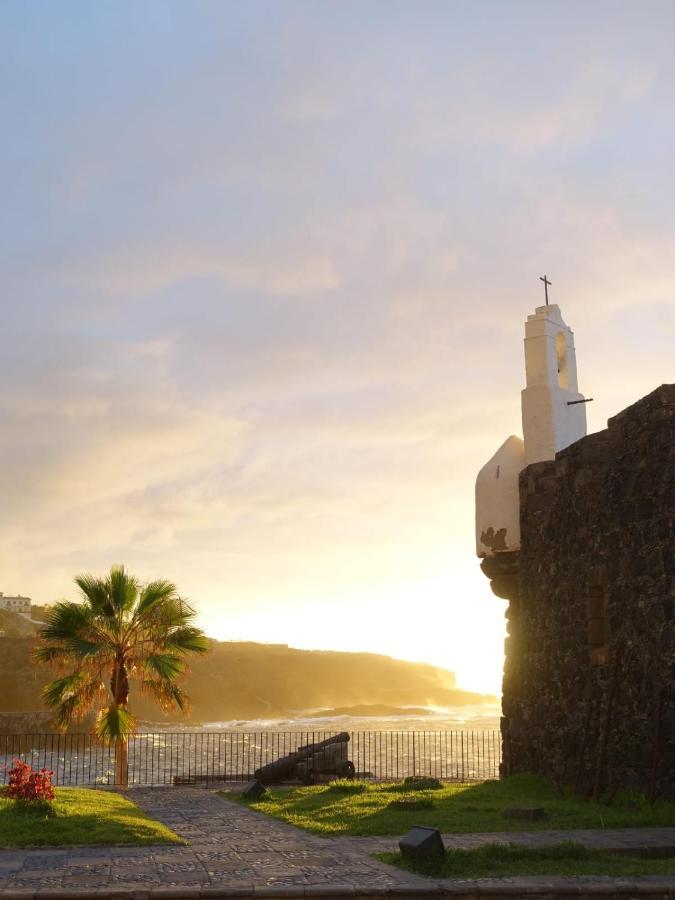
[[229, 845], [236, 851]]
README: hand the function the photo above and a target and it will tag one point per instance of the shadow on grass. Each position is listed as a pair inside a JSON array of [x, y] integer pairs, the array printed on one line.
[[79, 817], [499, 860], [370, 809]]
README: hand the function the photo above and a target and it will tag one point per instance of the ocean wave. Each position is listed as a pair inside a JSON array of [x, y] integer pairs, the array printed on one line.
[[484, 717]]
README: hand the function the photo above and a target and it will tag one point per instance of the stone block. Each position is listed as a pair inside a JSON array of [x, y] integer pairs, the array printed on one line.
[[525, 812]]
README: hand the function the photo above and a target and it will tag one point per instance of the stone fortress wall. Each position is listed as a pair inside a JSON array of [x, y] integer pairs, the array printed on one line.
[[589, 678]]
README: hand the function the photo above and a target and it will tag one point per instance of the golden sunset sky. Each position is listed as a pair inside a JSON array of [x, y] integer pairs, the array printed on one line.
[[265, 268]]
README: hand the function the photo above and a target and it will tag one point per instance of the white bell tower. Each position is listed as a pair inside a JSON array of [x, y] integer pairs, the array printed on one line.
[[554, 416], [554, 412]]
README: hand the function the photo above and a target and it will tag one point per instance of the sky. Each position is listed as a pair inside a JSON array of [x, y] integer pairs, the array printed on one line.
[[265, 269]]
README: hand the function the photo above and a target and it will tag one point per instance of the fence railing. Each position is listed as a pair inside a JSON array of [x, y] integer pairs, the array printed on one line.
[[203, 756]]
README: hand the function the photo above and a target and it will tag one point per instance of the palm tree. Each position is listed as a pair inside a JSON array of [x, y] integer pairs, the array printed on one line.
[[120, 631]]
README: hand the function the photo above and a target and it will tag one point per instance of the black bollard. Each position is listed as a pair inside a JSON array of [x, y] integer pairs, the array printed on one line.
[[253, 790], [422, 843]]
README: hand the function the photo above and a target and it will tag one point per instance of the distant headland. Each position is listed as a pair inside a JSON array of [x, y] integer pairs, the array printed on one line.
[[247, 680]]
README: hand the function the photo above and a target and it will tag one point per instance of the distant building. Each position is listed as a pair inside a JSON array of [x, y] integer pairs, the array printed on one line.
[[18, 604]]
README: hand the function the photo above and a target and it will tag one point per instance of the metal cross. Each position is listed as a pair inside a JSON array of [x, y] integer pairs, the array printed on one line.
[[546, 284]]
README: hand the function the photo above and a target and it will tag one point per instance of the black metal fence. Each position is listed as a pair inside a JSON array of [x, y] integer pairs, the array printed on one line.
[[204, 756]]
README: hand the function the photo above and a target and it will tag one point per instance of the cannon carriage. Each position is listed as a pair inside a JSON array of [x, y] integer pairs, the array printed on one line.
[[310, 762]]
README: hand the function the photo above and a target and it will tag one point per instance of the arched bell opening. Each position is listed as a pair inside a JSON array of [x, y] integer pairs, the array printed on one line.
[[561, 354]]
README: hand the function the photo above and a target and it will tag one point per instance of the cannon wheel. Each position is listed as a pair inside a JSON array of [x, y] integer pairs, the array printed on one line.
[[348, 770], [309, 776]]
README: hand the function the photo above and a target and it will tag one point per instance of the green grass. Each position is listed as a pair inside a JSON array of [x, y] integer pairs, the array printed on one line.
[[80, 816], [361, 808], [497, 860]]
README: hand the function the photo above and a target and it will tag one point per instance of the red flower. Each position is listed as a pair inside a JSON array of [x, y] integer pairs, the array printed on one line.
[[29, 786]]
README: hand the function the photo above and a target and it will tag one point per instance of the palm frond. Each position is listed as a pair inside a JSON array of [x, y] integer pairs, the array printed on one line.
[[62, 689], [186, 639], [65, 713], [123, 590], [71, 696], [77, 705], [66, 620], [85, 649], [49, 654], [167, 694], [171, 612], [114, 722], [94, 592], [166, 665], [155, 592]]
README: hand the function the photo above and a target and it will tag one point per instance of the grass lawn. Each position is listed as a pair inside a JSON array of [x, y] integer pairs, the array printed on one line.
[[362, 808], [496, 860], [80, 816]]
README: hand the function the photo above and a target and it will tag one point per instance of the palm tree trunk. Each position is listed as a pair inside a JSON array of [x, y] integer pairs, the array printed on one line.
[[121, 762], [119, 685]]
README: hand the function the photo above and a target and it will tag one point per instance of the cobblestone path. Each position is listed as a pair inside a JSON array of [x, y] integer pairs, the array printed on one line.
[[228, 845]]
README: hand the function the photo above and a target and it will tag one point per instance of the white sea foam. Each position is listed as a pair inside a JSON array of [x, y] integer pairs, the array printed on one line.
[[477, 718]]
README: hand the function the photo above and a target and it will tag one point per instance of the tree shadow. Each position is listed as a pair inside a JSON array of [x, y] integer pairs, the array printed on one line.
[[460, 808]]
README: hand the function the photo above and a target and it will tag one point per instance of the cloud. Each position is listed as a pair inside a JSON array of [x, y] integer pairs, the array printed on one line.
[[306, 106], [265, 287], [147, 270]]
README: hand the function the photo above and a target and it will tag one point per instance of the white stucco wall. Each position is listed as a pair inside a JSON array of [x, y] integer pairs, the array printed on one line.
[[549, 423], [19, 604], [497, 500]]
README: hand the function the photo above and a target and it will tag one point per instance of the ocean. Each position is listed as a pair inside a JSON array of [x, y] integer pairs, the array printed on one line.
[[460, 743], [483, 717]]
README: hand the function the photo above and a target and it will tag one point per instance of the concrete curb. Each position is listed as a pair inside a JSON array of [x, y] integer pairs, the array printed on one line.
[[648, 887]]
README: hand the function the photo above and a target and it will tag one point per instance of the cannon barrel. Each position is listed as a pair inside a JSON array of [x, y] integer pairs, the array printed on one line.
[[283, 767], [341, 738]]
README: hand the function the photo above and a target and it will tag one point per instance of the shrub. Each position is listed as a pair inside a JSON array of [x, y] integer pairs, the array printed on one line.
[[29, 786], [422, 783]]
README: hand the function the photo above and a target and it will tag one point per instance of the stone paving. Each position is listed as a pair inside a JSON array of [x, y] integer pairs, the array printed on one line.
[[237, 851], [228, 844]]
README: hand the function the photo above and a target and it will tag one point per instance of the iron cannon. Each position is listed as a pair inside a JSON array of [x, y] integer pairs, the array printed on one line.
[[329, 757]]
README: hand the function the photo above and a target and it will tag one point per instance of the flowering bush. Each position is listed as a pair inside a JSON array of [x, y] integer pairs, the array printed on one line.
[[29, 786]]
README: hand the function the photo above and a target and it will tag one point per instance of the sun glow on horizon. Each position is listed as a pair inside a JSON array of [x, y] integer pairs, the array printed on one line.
[[452, 622]]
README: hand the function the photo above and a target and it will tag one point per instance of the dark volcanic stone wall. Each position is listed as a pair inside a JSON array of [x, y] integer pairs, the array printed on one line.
[[596, 574]]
